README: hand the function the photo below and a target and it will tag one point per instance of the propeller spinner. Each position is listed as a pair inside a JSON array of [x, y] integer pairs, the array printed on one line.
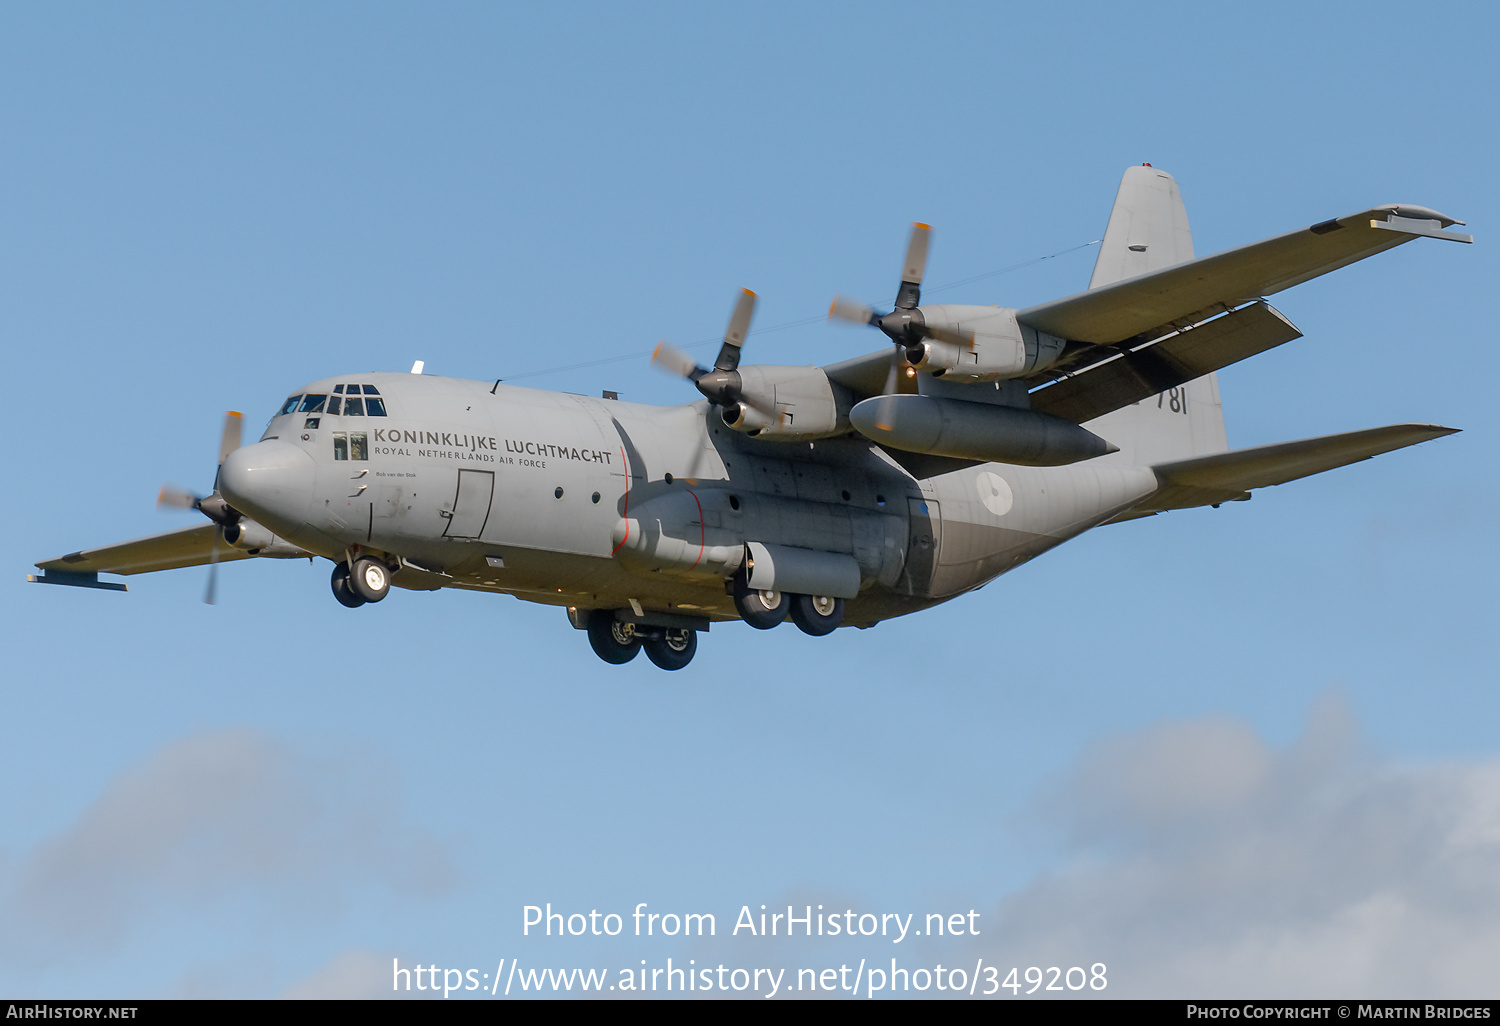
[[721, 383], [904, 325]]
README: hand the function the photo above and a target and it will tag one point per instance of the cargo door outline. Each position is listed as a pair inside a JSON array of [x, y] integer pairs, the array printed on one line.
[[924, 538], [471, 505]]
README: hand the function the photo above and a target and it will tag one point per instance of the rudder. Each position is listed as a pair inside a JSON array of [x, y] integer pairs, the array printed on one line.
[[1148, 231]]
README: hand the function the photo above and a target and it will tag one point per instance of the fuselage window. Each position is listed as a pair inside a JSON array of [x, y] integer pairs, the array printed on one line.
[[340, 445], [313, 403], [335, 405], [358, 448], [291, 405], [354, 406], [373, 406]]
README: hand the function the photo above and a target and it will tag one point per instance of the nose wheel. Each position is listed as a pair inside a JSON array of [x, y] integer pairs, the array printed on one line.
[[342, 589], [368, 581]]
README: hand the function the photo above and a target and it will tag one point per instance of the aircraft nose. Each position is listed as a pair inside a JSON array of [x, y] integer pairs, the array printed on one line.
[[271, 482]]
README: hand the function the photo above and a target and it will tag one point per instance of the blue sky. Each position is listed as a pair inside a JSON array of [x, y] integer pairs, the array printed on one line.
[[206, 207]]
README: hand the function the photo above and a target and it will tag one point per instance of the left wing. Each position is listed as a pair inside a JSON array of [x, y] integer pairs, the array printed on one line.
[[189, 546], [1151, 304], [1229, 476]]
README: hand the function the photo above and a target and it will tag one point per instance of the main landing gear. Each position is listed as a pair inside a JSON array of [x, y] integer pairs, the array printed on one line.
[[670, 648], [368, 581], [814, 614]]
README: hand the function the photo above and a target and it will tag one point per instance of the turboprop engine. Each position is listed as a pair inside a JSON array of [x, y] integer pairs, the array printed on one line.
[[787, 403], [978, 343], [248, 536]]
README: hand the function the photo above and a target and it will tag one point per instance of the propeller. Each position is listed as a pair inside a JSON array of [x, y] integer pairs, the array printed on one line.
[[212, 505], [904, 325], [720, 384]]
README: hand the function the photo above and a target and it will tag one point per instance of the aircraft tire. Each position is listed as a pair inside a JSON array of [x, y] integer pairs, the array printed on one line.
[[612, 641], [674, 649], [370, 579], [817, 614], [342, 589], [760, 609]]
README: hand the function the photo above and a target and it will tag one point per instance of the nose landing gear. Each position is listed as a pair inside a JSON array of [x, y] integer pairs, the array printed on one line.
[[342, 590], [369, 581]]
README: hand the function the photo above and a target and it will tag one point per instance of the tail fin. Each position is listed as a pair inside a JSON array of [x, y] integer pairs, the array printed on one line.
[[1148, 231]]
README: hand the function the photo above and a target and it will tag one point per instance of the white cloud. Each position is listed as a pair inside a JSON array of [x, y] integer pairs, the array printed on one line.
[[1205, 863], [359, 975], [209, 816]]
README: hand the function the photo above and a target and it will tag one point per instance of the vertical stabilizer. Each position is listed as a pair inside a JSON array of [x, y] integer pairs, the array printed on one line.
[[1148, 231], [1148, 228]]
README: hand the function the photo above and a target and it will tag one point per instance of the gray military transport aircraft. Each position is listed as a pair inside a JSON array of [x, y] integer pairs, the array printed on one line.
[[838, 495]]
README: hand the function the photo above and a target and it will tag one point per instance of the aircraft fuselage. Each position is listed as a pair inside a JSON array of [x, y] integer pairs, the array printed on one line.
[[601, 504]]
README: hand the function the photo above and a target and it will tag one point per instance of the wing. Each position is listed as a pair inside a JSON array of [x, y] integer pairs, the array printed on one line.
[[1152, 304], [190, 546], [1121, 376], [1229, 476]]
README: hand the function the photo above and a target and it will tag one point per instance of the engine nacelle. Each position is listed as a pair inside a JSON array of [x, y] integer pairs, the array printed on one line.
[[248, 536], [807, 405], [980, 343], [975, 431]]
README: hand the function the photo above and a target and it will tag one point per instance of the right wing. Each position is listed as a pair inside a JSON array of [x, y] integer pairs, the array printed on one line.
[[188, 546], [1157, 302]]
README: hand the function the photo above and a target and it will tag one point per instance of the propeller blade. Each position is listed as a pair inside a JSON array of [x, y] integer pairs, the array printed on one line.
[[885, 412], [675, 361], [910, 292], [176, 498], [850, 310], [213, 570], [230, 440], [739, 327], [916, 253]]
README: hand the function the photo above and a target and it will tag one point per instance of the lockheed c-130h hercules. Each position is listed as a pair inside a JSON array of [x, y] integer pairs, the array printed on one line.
[[839, 495]]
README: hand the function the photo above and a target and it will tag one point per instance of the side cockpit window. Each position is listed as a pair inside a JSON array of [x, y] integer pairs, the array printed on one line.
[[351, 445], [290, 406]]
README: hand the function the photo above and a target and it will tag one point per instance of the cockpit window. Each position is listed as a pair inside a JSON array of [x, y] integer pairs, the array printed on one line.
[[374, 406], [354, 406], [339, 389], [335, 405], [371, 390], [291, 405], [312, 403]]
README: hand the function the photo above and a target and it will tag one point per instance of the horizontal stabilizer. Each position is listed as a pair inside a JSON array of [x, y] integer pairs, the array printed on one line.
[[1149, 305], [1122, 378], [190, 546], [1229, 476]]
